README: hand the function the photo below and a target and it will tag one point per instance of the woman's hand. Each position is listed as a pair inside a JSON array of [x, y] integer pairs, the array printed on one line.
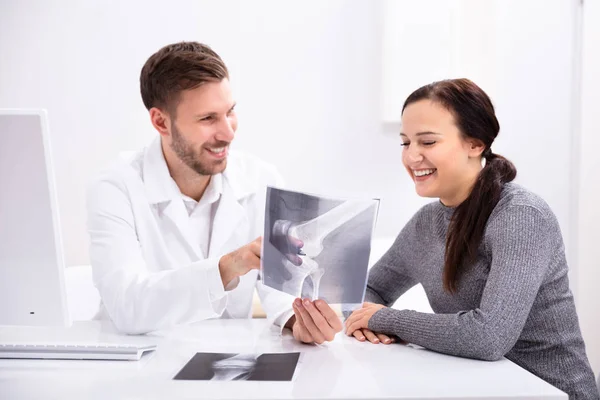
[[357, 325], [375, 338]]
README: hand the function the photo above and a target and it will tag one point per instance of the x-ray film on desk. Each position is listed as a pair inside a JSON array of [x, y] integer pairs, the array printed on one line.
[[240, 367], [316, 247]]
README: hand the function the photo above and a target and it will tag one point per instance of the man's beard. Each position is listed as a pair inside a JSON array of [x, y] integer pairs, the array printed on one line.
[[192, 158]]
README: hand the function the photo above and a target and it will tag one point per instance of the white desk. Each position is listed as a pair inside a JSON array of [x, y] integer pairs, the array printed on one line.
[[342, 369]]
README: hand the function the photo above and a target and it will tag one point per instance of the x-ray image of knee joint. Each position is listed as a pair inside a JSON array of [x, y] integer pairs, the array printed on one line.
[[311, 234], [323, 245]]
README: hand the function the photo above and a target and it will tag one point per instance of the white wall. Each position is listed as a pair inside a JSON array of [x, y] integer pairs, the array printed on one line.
[[587, 210], [307, 76]]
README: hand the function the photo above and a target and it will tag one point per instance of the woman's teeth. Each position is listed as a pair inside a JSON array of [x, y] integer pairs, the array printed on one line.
[[423, 172]]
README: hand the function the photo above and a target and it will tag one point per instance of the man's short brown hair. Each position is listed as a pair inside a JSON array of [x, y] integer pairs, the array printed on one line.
[[178, 67]]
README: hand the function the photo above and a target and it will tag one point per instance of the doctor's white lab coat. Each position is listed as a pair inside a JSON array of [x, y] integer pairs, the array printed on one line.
[[149, 272]]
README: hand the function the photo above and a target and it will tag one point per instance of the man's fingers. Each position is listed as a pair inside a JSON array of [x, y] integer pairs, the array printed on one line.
[[299, 329], [293, 246], [252, 258], [255, 246], [326, 330], [294, 259], [253, 261], [297, 314], [332, 319], [295, 243], [309, 323]]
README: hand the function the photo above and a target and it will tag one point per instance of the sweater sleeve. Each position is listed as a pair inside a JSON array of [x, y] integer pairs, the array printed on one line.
[[522, 246]]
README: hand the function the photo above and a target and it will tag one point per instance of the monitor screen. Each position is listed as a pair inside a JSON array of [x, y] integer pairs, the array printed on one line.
[[32, 288]]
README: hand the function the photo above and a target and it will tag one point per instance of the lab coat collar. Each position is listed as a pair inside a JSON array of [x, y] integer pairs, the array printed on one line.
[[237, 178], [230, 218], [160, 186]]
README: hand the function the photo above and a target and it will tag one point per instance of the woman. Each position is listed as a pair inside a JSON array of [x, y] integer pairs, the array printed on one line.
[[489, 253]]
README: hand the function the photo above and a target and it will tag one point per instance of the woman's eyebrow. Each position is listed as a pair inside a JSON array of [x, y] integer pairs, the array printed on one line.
[[422, 133]]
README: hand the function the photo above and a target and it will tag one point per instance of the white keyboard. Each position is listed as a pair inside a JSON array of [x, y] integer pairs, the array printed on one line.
[[80, 351]]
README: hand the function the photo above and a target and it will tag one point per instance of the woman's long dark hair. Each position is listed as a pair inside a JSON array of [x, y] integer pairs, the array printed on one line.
[[474, 116]]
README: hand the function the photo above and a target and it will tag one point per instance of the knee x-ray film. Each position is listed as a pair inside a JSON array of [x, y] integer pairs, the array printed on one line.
[[316, 247]]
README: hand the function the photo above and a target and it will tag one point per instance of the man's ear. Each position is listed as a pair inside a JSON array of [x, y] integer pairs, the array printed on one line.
[[161, 121], [476, 147]]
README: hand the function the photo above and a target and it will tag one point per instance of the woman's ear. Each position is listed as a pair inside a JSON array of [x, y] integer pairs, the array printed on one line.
[[476, 148]]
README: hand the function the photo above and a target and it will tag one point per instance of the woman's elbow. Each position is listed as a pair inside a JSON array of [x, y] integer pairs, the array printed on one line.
[[491, 348], [491, 355]]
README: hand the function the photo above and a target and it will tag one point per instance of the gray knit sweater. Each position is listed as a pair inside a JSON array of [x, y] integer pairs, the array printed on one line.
[[513, 302]]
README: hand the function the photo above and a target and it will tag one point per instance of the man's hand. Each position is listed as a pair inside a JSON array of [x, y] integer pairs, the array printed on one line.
[[315, 322], [239, 262], [357, 325], [290, 247]]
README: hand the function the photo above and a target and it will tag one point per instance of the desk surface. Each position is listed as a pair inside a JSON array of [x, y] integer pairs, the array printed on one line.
[[343, 369]]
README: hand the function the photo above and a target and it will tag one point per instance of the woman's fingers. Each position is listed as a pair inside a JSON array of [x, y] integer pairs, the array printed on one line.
[[359, 335], [385, 339], [371, 337]]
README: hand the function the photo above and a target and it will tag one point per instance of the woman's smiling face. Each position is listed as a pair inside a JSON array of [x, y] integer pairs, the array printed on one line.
[[442, 162]]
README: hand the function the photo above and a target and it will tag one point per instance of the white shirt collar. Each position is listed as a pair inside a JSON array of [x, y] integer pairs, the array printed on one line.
[[161, 187], [211, 194]]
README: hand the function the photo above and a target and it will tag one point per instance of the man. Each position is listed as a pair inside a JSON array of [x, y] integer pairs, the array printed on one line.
[[174, 230]]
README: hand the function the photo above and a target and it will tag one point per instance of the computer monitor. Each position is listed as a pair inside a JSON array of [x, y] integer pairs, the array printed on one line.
[[32, 284]]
